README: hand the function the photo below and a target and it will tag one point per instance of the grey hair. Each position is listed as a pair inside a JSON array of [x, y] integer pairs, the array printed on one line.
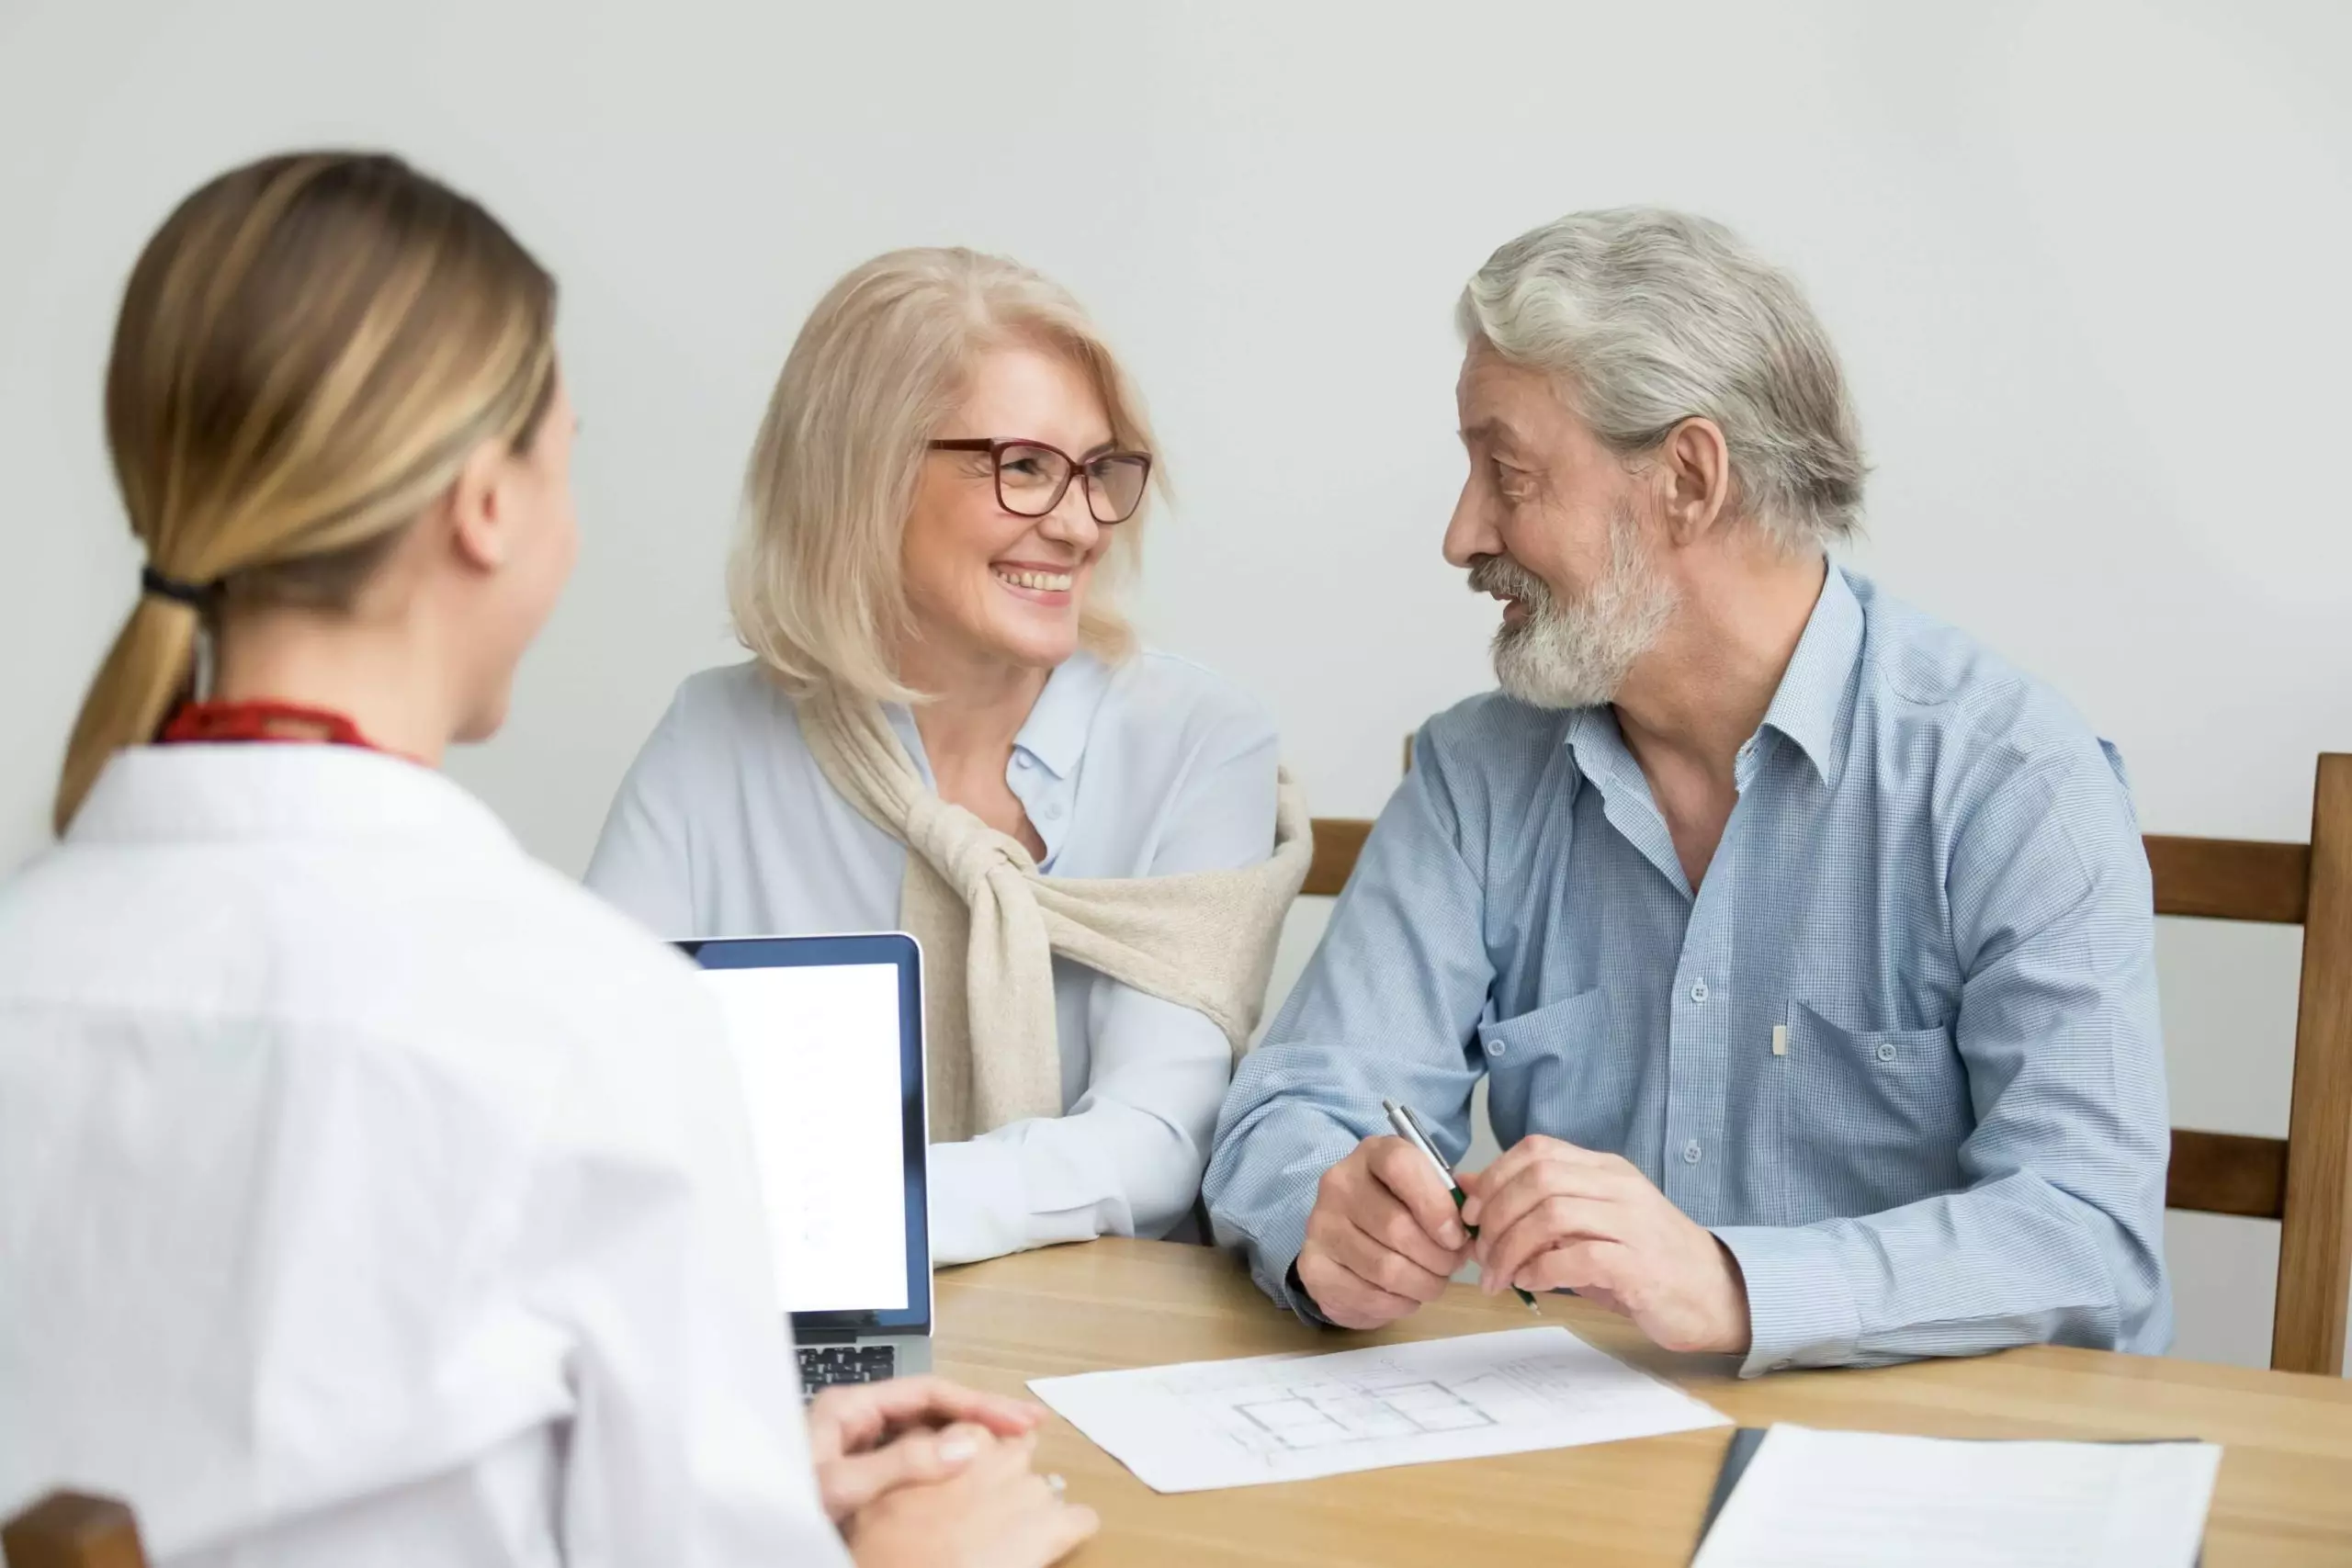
[[1645, 317]]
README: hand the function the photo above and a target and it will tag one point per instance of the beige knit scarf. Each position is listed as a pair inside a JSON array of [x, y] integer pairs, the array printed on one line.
[[990, 925]]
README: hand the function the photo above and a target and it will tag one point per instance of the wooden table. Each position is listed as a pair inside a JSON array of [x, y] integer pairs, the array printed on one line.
[[2284, 1497]]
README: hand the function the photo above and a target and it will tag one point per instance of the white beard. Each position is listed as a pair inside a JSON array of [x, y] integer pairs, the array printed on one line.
[[1579, 656]]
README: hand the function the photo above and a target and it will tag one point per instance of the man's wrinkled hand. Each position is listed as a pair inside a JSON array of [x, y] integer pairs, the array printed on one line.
[[1382, 1237], [1553, 1216]]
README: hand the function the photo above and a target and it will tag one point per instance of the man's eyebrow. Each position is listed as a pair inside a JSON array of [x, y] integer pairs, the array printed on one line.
[[1490, 432]]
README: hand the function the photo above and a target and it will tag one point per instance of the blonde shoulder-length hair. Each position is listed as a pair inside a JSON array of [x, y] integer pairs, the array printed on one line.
[[816, 583]]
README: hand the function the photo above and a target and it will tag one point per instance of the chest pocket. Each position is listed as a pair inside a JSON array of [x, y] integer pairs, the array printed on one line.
[[1561, 1070], [1882, 1112]]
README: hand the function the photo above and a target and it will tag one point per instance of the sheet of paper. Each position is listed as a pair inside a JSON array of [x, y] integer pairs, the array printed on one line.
[[1209, 1424], [1813, 1499]]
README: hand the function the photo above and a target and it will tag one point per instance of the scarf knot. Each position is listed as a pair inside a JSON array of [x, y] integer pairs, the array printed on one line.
[[964, 850], [990, 925]]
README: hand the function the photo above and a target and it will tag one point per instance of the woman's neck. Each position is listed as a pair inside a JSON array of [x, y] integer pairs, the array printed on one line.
[[377, 678], [978, 706]]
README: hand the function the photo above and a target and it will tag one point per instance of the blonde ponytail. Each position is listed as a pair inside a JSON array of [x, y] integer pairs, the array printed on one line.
[[146, 673], [308, 350]]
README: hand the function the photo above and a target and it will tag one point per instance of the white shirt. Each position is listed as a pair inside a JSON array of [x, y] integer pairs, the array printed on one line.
[[369, 1195], [726, 827]]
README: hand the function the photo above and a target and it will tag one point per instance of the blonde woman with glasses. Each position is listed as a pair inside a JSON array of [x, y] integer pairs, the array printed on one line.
[[369, 1196], [947, 728]]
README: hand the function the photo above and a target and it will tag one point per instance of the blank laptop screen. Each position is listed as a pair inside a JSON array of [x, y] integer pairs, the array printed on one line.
[[817, 1048]]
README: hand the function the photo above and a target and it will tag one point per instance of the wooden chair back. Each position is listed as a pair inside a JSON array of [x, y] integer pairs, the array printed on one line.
[[2304, 1180], [69, 1529]]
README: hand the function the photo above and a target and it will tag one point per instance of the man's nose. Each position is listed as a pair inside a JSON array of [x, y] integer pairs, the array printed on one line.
[[1470, 533]]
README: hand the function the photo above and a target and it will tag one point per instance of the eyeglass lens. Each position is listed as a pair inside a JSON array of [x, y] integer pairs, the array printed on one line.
[[1030, 481]]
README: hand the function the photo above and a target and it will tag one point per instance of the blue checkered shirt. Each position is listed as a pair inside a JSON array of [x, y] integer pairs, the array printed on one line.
[[1899, 1051]]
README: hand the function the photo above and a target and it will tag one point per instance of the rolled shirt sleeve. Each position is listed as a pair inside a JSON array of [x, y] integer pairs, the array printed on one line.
[[1384, 1011]]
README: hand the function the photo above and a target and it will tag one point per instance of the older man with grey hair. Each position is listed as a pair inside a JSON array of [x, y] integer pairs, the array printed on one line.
[[1805, 946]]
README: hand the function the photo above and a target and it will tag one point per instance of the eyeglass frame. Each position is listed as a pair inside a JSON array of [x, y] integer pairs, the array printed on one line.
[[994, 448]]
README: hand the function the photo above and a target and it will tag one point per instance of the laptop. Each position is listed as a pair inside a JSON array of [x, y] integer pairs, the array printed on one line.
[[827, 1033]]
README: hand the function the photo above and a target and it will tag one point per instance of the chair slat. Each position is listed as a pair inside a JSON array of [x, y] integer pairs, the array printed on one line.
[[72, 1530], [1338, 841], [2224, 1173], [2230, 879]]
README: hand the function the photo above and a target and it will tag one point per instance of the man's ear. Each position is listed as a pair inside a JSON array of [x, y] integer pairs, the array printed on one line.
[[1693, 469], [479, 508]]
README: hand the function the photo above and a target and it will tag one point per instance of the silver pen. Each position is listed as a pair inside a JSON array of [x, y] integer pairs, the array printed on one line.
[[1409, 1127]]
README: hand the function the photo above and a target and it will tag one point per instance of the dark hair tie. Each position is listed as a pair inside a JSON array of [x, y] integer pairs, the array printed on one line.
[[195, 596]]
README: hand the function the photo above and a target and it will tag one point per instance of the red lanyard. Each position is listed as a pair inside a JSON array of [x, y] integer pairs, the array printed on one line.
[[284, 723]]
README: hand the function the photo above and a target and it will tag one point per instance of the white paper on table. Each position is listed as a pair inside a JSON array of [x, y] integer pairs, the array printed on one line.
[[1207, 1424], [1812, 1499]]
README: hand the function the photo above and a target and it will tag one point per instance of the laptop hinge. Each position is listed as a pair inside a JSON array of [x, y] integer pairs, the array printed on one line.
[[824, 1335]]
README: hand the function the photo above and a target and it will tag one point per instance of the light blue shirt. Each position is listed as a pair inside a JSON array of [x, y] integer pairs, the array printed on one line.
[[726, 827], [1899, 1051]]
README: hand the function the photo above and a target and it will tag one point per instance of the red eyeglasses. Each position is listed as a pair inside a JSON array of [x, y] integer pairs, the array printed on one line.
[[1032, 478]]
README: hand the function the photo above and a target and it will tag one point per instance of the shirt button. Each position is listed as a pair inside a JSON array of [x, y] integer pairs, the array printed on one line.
[[1698, 990], [1021, 760], [1495, 1048], [1886, 1050], [1053, 810], [1690, 1152]]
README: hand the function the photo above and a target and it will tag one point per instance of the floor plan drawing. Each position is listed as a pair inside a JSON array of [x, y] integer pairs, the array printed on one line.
[[1241, 1422], [1319, 1414]]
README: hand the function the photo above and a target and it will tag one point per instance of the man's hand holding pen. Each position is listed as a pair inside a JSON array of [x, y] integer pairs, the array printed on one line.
[[1382, 1237]]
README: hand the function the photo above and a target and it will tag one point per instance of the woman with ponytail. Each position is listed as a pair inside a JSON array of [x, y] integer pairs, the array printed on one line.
[[369, 1194]]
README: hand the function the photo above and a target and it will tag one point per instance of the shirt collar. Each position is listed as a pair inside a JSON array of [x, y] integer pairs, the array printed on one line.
[[1593, 737], [1811, 707], [200, 792], [1606, 762], [1054, 733]]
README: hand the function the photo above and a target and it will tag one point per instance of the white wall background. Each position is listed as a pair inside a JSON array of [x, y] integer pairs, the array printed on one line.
[[2086, 259]]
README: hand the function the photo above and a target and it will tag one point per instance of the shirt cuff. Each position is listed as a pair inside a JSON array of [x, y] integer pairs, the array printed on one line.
[[979, 1198], [1301, 1302], [1274, 1261], [1800, 1311]]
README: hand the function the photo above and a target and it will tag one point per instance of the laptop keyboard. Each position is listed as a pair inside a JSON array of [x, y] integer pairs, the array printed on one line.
[[823, 1365]]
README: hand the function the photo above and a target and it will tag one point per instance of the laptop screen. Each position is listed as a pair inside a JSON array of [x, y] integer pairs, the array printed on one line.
[[829, 1086]]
